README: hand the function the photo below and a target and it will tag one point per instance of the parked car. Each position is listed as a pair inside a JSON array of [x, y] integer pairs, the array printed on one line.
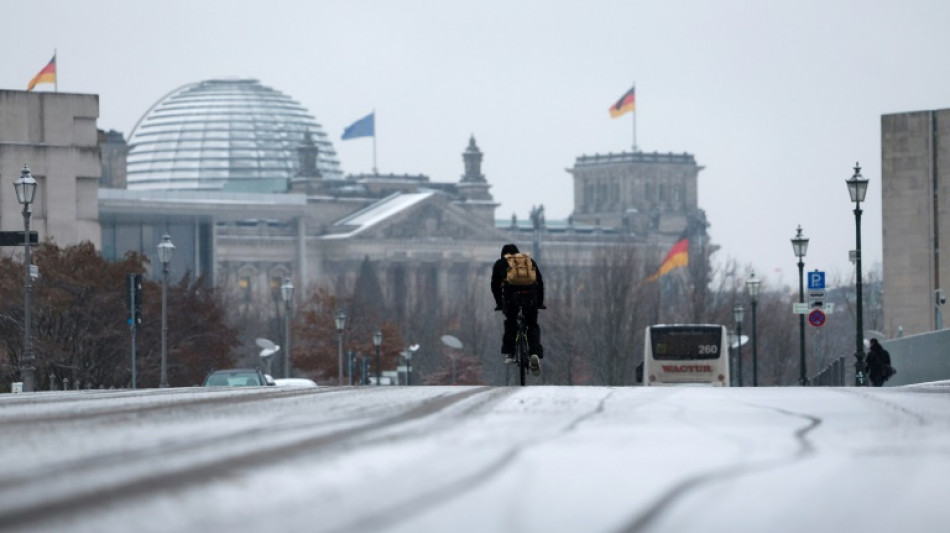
[[237, 377], [295, 382]]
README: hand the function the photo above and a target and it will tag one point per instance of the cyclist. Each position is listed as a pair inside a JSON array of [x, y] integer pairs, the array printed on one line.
[[509, 299]]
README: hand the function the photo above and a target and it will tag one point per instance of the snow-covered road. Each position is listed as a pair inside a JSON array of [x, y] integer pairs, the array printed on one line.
[[478, 459]]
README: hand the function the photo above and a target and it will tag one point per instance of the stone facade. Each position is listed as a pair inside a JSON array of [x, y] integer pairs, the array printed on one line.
[[915, 189], [640, 193], [55, 135], [428, 241]]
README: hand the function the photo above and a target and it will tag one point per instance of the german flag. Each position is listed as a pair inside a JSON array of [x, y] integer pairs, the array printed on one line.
[[47, 75], [627, 102], [678, 256]]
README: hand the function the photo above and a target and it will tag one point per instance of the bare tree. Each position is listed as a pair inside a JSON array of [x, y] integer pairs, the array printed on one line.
[[80, 317], [616, 306]]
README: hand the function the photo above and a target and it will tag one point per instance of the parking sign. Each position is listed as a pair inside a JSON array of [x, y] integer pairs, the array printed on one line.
[[816, 280]]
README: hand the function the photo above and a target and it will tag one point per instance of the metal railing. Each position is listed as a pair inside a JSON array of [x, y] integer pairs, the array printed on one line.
[[830, 376]]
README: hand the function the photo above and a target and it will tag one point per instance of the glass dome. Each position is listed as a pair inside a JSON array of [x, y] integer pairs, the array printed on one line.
[[228, 134]]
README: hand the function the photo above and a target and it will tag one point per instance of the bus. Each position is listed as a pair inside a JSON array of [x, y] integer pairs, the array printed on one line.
[[686, 354]]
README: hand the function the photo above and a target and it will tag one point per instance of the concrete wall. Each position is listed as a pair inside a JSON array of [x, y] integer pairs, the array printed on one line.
[[915, 181], [55, 135], [919, 358]]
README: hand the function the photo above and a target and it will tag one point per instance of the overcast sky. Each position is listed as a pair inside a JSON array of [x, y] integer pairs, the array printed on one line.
[[777, 100]]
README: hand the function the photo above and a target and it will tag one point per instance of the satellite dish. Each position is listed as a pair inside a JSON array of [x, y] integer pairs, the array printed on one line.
[[266, 344], [451, 342], [733, 344]]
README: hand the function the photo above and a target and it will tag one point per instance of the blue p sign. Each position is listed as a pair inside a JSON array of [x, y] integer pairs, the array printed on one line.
[[816, 280]]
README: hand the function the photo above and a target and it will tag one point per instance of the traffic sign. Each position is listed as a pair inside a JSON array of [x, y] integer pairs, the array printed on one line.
[[816, 280], [799, 308], [816, 318]]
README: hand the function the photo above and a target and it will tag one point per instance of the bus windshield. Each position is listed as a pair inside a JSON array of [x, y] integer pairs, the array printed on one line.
[[685, 343]]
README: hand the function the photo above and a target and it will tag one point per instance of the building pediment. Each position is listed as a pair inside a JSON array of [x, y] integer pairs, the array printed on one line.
[[414, 216]]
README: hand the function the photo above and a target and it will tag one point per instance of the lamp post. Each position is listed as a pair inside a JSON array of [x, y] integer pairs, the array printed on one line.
[[377, 342], [287, 292], [940, 298], [858, 188], [738, 313], [25, 191], [800, 246], [165, 252], [408, 355], [753, 287], [733, 339], [340, 324]]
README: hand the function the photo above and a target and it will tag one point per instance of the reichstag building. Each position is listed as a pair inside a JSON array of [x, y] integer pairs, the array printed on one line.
[[249, 187]]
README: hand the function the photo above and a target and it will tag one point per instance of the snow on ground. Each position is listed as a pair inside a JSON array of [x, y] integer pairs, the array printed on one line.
[[411, 459]]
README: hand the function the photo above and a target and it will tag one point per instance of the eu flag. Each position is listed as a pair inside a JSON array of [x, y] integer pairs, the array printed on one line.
[[364, 127]]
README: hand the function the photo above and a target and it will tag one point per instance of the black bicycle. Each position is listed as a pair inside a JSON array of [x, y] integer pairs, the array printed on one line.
[[522, 354]]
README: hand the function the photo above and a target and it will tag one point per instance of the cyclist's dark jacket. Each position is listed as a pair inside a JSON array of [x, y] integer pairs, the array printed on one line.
[[500, 271], [510, 299]]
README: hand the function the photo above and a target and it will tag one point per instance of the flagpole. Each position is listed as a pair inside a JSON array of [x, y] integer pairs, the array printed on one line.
[[634, 118], [56, 77], [634, 130], [374, 143]]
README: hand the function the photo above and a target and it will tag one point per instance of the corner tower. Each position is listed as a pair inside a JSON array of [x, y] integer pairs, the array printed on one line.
[[473, 188]]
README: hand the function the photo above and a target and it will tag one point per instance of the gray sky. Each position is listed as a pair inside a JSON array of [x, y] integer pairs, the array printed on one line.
[[776, 99]]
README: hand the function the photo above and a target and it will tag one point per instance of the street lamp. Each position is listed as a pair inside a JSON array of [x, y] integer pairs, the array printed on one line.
[[340, 324], [858, 188], [165, 252], [25, 191], [733, 340], [940, 298], [800, 246], [408, 355], [738, 313], [377, 342], [287, 291], [753, 287]]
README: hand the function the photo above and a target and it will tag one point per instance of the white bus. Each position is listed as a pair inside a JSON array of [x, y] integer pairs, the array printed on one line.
[[686, 353]]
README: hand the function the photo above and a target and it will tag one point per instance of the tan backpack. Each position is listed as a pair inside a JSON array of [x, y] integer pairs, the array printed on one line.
[[521, 270]]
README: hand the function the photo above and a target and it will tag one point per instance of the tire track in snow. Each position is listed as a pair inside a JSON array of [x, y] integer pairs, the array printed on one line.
[[881, 400], [645, 520], [400, 512], [71, 414], [51, 507]]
